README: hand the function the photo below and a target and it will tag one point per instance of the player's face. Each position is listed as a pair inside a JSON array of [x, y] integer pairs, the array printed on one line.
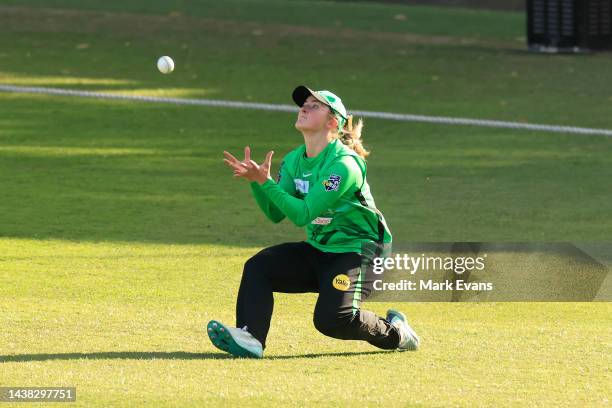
[[314, 116]]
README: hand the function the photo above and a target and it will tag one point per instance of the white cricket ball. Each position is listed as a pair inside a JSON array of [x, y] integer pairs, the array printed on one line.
[[165, 64]]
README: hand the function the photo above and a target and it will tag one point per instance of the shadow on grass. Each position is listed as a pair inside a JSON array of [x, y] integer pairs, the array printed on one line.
[[158, 355], [97, 172], [122, 182], [317, 355]]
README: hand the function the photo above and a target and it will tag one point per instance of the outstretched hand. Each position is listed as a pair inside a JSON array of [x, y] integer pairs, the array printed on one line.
[[247, 168]]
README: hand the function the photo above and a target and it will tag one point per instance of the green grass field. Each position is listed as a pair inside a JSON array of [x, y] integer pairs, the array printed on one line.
[[122, 233]]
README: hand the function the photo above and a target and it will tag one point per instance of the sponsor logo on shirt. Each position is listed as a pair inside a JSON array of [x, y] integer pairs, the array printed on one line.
[[332, 183], [321, 221], [341, 282], [301, 185]]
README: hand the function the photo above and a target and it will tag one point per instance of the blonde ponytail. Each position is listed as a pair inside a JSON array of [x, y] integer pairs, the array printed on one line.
[[351, 136]]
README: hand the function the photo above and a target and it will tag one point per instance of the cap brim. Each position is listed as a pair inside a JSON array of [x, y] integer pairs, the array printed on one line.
[[301, 93]]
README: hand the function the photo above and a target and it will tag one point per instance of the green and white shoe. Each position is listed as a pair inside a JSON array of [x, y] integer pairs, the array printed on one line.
[[237, 342], [408, 337]]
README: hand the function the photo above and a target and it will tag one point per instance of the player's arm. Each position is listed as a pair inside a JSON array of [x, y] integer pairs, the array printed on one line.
[[331, 185], [285, 182], [245, 169]]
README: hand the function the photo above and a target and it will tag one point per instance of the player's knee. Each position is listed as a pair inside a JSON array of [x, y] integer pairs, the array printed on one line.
[[331, 324], [254, 266]]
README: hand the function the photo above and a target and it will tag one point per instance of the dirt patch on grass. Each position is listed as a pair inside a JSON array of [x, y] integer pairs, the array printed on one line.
[[42, 20]]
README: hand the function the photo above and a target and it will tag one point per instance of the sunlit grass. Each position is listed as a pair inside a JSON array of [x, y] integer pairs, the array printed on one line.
[[168, 92], [49, 151], [12, 78]]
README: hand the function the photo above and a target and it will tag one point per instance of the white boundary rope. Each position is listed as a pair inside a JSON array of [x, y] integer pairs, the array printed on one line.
[[290, 108]]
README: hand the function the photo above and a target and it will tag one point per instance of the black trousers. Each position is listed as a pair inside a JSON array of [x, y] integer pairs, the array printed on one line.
[[298, 267]]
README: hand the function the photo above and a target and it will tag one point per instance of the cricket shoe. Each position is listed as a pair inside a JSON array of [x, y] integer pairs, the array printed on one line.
[[237, 342], [408, 337]]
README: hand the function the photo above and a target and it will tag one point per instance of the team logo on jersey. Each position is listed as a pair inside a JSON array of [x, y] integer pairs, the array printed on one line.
[[341, 282], [332, 183]]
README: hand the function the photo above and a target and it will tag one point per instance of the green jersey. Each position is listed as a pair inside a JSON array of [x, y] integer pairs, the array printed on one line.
[[329, 195]]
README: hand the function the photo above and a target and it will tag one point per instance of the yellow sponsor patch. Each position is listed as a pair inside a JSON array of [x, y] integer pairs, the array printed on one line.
[[341, 282]]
